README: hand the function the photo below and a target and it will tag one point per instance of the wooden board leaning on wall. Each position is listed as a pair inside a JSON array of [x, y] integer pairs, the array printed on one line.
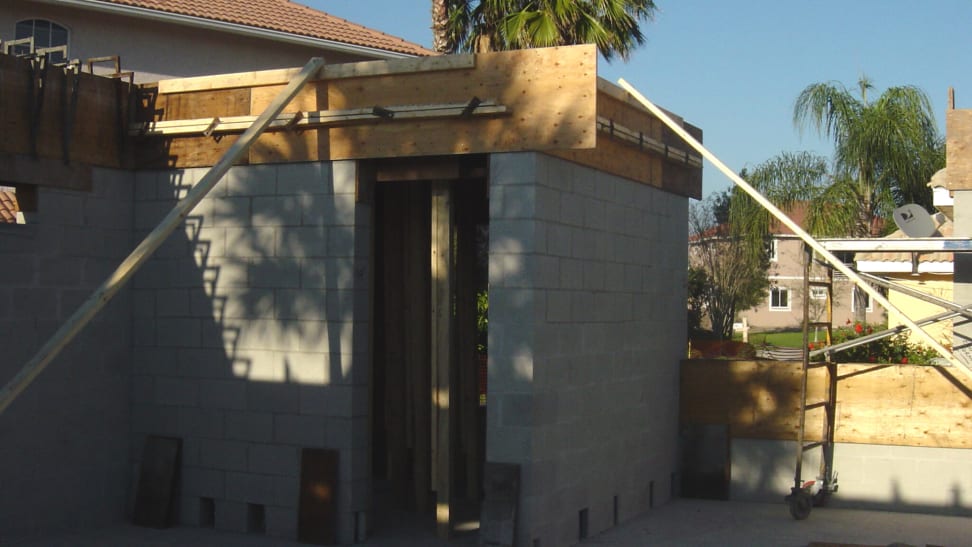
[[903, 405]]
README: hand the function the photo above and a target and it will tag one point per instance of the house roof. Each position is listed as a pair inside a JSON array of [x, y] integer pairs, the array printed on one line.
[[280, 16], [8, 207], [936, 262]]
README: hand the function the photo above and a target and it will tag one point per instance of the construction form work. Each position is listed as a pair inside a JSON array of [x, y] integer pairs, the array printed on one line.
[[302, 350]]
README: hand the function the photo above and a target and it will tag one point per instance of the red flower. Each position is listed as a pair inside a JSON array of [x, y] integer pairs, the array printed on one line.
[[904, 360], [810, 345], [858, 328], [872, 359]]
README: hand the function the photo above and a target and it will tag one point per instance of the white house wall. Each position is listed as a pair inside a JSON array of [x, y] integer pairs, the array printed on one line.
[[587, 295], [157, 50]]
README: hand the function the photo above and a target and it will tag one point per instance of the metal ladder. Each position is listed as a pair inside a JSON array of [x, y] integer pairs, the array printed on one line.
[[805, 494]]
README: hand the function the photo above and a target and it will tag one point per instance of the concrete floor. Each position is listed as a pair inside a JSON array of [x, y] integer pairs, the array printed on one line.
[[683, 522]]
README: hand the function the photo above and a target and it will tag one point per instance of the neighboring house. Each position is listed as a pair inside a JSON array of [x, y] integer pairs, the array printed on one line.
[[929, 273], [783, 308], [160, 39], [292, 332], [9, 210]]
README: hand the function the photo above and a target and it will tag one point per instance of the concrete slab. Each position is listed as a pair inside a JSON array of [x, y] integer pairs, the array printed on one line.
[[682, 522]]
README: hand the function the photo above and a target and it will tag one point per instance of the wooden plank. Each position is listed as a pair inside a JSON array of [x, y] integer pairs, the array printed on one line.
[[318, 503], [207, 104], [21, 169], [958, 149], [329, 72], [442, 354], [154, 497], [901, 405], [285, 146]]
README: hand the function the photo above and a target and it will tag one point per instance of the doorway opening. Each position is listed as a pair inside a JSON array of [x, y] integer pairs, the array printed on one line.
[[428, 384]]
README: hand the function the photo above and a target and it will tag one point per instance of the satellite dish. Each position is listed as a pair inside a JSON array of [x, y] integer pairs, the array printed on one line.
[[914, 220]]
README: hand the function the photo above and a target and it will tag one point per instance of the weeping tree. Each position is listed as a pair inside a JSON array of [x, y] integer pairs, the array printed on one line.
[[496, 25], [725, 274]]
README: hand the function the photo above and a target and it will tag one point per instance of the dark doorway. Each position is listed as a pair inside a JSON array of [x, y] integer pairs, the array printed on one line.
[[428, 381]]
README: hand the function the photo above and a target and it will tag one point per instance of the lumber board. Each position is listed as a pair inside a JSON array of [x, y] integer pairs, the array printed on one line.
[[903, 405], [21, 169], [329, 72], [205, 104], [958, 149], [442, 362]]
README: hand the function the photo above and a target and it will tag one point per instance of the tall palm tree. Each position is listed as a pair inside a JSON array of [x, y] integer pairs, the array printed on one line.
[[493, 25], [885, 151]]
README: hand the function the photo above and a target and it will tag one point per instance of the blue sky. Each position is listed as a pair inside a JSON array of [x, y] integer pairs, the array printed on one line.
[[735, 68]]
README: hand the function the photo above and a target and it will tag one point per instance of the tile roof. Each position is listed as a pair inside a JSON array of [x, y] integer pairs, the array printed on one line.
[[282, 16], [944, 229], [8, 207]]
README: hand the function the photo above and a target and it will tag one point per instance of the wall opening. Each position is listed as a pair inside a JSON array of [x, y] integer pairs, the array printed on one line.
[[256, 519], [207, 513]]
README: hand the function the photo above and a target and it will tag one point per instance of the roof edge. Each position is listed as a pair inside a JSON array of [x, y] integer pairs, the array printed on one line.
[[234, 28]]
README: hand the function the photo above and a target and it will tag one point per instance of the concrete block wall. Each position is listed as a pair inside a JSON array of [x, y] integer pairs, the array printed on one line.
[[587, 325], [892, 478], [251, 339], [64, 441]]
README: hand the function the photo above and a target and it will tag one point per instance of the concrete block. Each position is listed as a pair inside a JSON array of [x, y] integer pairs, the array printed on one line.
[[304, 304], [179, 332], [269, 397], [250, 242], [302, 242], [35, 304], [224, 455], [172, 302], [304, 178], [198, 363], [222, 394], [59, 271], [176, 391], [231, 211], [341, 241], [249, 487], [281, 522], [251, 180], [307, 368], [513, 168], [344, 175], [146, 185], [207, 483], [274, 273], [206, 241], [273, 459], [249, 426], [277, 211], [300, 430], [231, 516], [200, 422], [331, 273]]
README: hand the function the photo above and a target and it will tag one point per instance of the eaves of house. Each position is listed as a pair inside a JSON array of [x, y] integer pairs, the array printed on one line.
[[279, 20]]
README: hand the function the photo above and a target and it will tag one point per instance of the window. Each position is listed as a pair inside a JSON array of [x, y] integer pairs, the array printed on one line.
[[779, 299], [773, 249], [818, 293], [46, 35], [868, 305]]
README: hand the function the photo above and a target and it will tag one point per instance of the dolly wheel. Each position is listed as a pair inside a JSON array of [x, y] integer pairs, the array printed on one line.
[[800, 504]]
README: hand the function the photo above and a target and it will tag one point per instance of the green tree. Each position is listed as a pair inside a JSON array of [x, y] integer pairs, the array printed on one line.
[[885, 152], [723, 277], [495, 25]]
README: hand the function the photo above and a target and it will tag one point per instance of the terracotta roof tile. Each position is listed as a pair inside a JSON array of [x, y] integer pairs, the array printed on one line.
[[283, 16], [8, 207], [944, 229]]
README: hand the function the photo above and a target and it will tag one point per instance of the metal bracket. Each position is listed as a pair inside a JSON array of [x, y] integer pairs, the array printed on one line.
[[383, 113], [72, 74], [471, 107]]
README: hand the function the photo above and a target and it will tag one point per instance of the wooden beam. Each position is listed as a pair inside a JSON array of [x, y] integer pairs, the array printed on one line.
[[329, 72], [21, 169], [442, 354]]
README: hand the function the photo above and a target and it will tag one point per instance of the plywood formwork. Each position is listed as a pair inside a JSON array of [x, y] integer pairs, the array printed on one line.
[[546, 100], [53, 121], [903, 405]]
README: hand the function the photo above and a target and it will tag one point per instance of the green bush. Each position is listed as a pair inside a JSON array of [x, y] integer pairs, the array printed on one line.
[[893, 349]]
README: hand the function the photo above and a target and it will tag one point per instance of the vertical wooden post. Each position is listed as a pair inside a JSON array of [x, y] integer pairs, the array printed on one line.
[[441, 362]]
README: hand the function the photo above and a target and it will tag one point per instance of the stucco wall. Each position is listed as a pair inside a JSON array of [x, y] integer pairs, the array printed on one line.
[[157, 51], [250, 339], [587, 292], [64, 441]]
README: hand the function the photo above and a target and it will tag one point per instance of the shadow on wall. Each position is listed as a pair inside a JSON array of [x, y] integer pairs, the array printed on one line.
[[248, 324]]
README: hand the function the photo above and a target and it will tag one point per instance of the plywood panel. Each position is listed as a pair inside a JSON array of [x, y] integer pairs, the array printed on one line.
[[553, 107], [895, 405], [285, 146]]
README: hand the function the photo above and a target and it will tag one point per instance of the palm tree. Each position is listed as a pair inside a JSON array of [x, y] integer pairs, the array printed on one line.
[[494, 25], [885, 152]]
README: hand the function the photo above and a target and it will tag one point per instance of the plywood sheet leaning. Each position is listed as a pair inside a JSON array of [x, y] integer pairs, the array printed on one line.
[[958, 148], [904, 405]]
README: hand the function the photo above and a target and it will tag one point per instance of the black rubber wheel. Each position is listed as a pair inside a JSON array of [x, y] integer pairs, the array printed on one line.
[[800, 505]]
